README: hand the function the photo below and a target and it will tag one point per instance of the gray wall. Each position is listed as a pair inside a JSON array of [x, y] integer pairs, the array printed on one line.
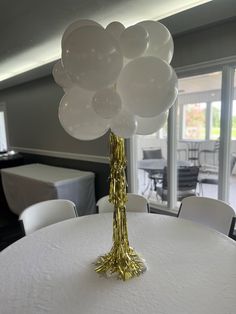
[[32, 107], [214, 42], [32, 113]]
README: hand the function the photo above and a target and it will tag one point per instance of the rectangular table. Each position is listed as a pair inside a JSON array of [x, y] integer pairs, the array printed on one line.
[[7, 160], [33, 183]]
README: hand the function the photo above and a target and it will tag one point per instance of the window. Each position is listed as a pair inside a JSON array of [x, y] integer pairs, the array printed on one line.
[[194, 121], [3, 133], [200, 106], [215, 120]]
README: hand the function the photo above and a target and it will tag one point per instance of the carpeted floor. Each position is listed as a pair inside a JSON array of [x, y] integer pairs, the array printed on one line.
[[11, 229]]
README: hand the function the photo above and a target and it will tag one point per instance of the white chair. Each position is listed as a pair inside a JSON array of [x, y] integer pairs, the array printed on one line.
[[210, 212], [135, 203], [45, 213]]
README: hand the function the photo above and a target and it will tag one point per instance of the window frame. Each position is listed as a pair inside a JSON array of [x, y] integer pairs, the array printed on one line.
[[4, 110], [227, 67]]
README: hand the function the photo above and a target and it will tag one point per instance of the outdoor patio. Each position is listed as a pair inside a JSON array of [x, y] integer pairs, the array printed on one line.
[[209, 190]]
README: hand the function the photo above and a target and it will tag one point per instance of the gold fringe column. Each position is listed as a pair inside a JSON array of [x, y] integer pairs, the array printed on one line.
[[122, 260]]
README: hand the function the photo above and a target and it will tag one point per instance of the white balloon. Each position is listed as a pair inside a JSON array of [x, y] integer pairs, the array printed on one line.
[[134, 41], [124, 124], [106, 103], [78, 118], [75, 25], [150, 125], [92, 56], [161, 43], [116, 29], [147, 86], [60, 77]]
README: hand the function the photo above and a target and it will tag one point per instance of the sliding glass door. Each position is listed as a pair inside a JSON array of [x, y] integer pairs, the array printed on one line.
[[192, 154], [199, 130]]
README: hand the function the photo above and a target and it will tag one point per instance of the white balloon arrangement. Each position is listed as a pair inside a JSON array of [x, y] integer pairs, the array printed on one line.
[[117, 78]]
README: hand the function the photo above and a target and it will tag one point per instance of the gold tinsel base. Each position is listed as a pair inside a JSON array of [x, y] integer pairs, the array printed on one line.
[[122, 261], [120, 264]]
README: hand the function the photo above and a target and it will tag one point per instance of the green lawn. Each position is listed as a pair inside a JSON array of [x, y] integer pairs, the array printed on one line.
[[215, 133]]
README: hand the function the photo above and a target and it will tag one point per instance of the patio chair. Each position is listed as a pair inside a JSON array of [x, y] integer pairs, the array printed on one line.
[[182, 151], [210, 156], [209, 162], [210, 212], [186, 183], [45, 213], [152, 153], [208, 173], [135, 203], [154, 176]]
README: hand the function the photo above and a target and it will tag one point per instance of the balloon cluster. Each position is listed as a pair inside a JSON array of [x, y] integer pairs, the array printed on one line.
[[118, 78]]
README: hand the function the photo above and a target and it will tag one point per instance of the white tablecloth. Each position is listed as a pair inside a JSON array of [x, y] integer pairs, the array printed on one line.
[[29, 184], [191, 269]]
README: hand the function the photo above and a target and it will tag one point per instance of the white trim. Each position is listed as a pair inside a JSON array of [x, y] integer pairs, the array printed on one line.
[[83, 157], [131, 165], [4, 110], [227, 93], [206, 66], [208, 120], [172, 157]]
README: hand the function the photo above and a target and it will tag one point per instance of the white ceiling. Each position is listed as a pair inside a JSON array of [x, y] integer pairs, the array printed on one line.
[[30, 30], [201, 83]]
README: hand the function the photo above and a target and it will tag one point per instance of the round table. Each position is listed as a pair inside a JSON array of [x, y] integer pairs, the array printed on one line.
[[159, 164], [155, 168], [191, 269]]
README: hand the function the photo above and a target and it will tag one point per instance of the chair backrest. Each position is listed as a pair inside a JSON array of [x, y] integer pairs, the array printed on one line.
[[186, 182], [152, 153], [135, 203], [208, 211], [216, 146], [187, 178], [45, 213], [232, 162]]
